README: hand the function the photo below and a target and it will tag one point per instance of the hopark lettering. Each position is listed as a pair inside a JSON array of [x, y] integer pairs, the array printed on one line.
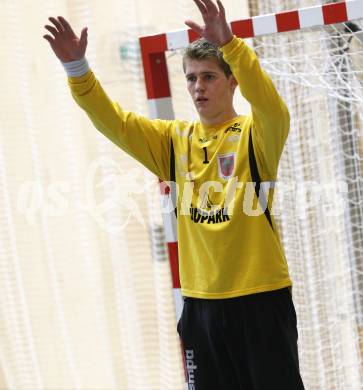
[[209, 217]]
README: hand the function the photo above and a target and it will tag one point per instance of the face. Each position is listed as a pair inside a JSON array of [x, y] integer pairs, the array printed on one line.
[[210, 89]]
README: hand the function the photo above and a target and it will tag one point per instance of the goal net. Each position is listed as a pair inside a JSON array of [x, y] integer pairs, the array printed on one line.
[[315, 58]]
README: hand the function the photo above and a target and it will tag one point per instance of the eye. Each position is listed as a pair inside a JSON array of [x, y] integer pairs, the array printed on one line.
[[210, 77], [191, 78]]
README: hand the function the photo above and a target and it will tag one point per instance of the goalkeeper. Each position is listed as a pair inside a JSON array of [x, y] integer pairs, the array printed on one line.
[[238, 325]]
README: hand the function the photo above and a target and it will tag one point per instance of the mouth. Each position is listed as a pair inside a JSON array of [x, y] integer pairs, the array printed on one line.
[[201, 100]]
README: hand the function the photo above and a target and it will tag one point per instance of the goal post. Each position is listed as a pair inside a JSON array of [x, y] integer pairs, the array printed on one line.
[[330, 107]]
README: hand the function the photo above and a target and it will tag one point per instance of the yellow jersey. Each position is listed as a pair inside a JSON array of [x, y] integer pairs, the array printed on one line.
[[227, 245]]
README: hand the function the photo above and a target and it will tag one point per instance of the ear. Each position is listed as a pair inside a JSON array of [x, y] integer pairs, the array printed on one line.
[[233, 82]]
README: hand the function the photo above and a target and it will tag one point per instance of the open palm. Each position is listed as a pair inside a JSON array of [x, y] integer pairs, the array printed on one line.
[[64, 42], [216, 29]]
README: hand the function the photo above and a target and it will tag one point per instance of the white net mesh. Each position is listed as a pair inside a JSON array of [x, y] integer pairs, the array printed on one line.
[[319, 73], [319, 195]]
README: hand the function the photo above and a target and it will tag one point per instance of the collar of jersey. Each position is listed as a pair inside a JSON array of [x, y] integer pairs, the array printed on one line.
[[217, 126]]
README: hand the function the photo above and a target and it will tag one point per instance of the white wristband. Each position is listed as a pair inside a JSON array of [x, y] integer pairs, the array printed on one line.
[[76, 68]]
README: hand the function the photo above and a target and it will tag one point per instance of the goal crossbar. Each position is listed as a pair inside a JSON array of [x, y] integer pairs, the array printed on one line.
[[153, 47]]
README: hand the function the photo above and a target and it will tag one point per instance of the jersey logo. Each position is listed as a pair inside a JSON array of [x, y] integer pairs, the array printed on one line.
[[205, 139], [226, 165], [235, 128]]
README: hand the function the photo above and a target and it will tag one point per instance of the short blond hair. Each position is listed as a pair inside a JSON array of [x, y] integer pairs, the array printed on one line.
[[202, 49]]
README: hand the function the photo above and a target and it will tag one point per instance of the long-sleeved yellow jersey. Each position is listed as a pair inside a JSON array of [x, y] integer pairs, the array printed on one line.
[[227, 246]]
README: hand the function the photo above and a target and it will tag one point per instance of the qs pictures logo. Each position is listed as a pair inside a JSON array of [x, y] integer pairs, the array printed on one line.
[[110, 199]]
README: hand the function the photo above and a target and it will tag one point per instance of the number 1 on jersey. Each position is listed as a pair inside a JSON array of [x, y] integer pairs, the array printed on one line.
[[205, 156]]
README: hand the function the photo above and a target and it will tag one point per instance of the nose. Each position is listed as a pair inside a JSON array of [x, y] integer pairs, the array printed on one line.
[[199, 85]]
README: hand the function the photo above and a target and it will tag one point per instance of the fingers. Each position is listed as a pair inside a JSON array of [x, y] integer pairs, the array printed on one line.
[[52, 29], [49, 39], [201, 6], [194, 26], [66, 26], [83, 39], [222, 11], [208, 7], [57, 24], [211, 7]]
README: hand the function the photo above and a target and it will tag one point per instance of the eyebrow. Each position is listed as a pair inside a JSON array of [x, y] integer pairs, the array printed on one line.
[[206, 72]]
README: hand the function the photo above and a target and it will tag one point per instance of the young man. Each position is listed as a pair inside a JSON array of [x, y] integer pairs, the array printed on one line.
[[238, 324]]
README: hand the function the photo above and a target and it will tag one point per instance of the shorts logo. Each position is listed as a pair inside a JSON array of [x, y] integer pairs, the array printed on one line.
[[226, 165], [190, 366]]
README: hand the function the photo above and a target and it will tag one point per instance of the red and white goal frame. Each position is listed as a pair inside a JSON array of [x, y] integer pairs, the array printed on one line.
[[154, 48]]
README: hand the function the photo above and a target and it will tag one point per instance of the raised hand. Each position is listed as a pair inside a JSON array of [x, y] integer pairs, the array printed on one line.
[[64, 42], [216, 29]]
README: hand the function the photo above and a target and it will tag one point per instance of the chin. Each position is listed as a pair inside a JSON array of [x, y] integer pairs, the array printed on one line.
[[203, 109]]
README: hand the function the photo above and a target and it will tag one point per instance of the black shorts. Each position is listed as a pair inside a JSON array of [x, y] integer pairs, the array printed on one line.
[[243, 343]]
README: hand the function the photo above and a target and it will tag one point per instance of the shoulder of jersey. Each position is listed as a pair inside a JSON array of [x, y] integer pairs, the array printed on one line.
[[182, 128]]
